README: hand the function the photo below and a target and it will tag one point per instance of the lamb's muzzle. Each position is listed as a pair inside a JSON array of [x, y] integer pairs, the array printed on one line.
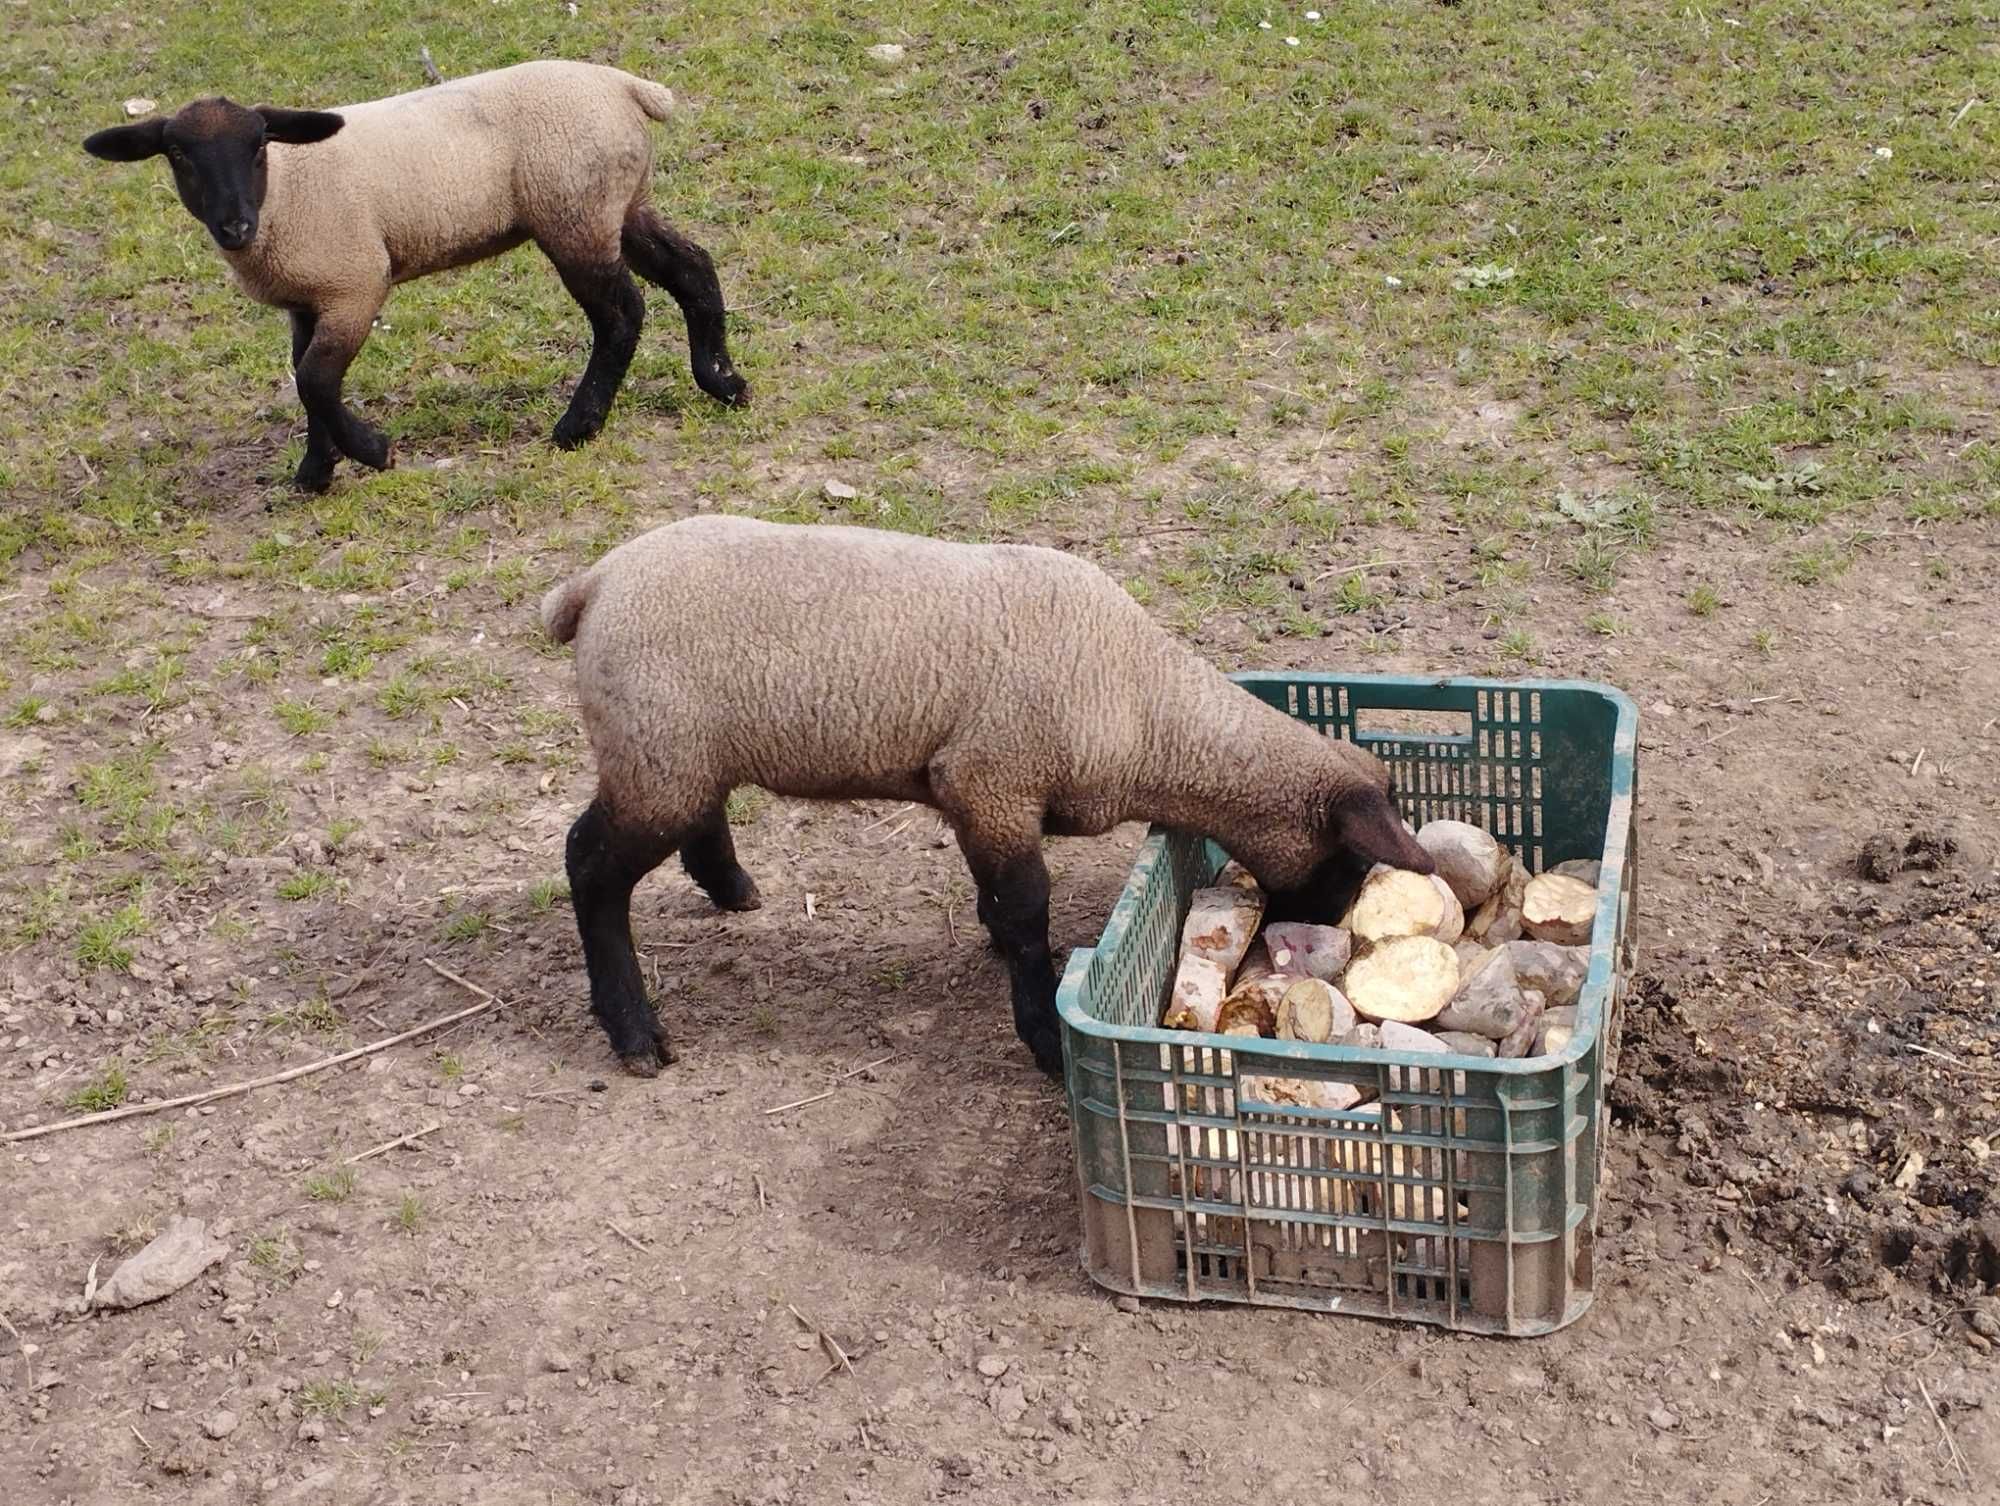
[[1019, 691]]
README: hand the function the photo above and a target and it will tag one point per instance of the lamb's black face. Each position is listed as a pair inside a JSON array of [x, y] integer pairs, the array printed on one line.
[[218, 153]]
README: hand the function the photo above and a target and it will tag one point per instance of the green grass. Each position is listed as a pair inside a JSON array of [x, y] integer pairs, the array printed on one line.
[[410, 1213], [104, 1091], [1219, 311], [334, 1186]]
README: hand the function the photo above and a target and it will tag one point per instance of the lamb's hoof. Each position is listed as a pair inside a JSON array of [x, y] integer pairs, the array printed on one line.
[[647, 1060], [725, 386], [572, 432], [744, 899], [314, 478], [1048, 1056], [373, 449]]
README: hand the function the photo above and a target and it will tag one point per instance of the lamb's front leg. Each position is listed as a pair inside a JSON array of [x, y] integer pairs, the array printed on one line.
[[315, 472], [339, 332], [1013, 888]]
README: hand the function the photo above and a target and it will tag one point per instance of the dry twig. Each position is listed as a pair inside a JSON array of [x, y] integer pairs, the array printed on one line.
[[272, 1079], [1943, 1432], [388, 1145], [630, 1239], [799, 1103], [826, 1342]]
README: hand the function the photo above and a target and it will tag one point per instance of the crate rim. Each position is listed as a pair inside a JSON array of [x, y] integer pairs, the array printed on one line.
[[1591, 998]]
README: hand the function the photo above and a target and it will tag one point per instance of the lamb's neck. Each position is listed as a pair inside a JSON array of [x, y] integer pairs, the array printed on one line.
[[1222, 764]]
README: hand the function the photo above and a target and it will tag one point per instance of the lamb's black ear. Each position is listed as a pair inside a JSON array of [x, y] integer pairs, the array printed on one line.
[[1366, 822], [127, 143], [298, 127]]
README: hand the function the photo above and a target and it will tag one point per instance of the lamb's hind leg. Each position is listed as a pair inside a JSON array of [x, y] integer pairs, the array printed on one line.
[[661, 254], [617, 312], [606, 859], [709, 856]]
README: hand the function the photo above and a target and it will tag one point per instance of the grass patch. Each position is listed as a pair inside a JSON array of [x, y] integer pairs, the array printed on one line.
[[104, 1091], [334, 1186]]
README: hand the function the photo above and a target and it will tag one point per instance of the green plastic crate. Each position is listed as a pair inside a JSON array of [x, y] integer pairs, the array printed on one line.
[[1474, 1205]]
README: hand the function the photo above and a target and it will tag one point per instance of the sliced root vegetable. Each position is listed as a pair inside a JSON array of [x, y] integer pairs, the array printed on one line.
[[1311, 1009], [1200, 986], [1452, 927], [1302, 1092], [1221, 923], [1468, 859], [1308, 951], [1256, 964], [1406, 978], [1467, 1045], [1253, 1003], [1488, 1001], [1396, 903], [1499, 919], [1584, 870], [1367, 1037], [1522, 1041], [1467, 951], [1558, 1029], [1558, 908], [1556, 971]]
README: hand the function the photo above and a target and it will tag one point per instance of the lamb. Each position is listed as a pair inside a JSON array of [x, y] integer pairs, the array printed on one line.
[[321, 212], [1017, 690]]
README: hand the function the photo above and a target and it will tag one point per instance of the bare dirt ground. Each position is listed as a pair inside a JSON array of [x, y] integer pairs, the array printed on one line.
[[582, 1287]]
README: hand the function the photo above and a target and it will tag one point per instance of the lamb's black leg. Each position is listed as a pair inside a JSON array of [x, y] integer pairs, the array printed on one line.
[[1014, 894], [339, 332], [606, 860], [661, 254], [617, 312], [709, 856], [315, 472]]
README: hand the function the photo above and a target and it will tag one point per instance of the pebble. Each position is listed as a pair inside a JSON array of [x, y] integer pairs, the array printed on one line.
[[220, 1423], [312, 1430], [992, 1366], [557, 1361], [886, 52], [1128, 1304], [1664, 1418], [1068, 1418], [839, 491], [1010, 1403]]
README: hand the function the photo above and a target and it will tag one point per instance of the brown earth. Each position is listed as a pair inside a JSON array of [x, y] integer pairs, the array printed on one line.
[[584, 1287]]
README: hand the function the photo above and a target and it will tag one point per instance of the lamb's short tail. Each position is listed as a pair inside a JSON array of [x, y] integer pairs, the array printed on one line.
[[562, 608], [657, 100]]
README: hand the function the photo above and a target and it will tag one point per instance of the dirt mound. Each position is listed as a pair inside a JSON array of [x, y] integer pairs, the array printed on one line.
[[1836, 1090]]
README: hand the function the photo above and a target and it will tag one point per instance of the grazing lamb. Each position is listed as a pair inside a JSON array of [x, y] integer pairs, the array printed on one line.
[[320, 213], [1017, 690]]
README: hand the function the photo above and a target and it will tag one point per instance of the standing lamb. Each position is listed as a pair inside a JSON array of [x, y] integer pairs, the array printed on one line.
[[1017, 690], [320, 213]]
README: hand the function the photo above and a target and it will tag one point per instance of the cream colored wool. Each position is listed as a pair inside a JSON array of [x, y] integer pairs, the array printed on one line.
[[443, 176], [1018, 688]]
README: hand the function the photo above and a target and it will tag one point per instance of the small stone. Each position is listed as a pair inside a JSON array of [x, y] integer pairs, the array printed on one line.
[[139, 105], [220, 1423], [1068, 1418], [1664, 1418], [1010, 1403], [557, 1361], [839, 491], [887, 52], [157, 1402], [1128, 1304], [312, 1430], [1986, 1319], [516, 1405], [992, 1366]]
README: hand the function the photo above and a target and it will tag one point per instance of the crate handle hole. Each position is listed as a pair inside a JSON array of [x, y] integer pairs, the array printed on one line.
[[1385, 722]]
